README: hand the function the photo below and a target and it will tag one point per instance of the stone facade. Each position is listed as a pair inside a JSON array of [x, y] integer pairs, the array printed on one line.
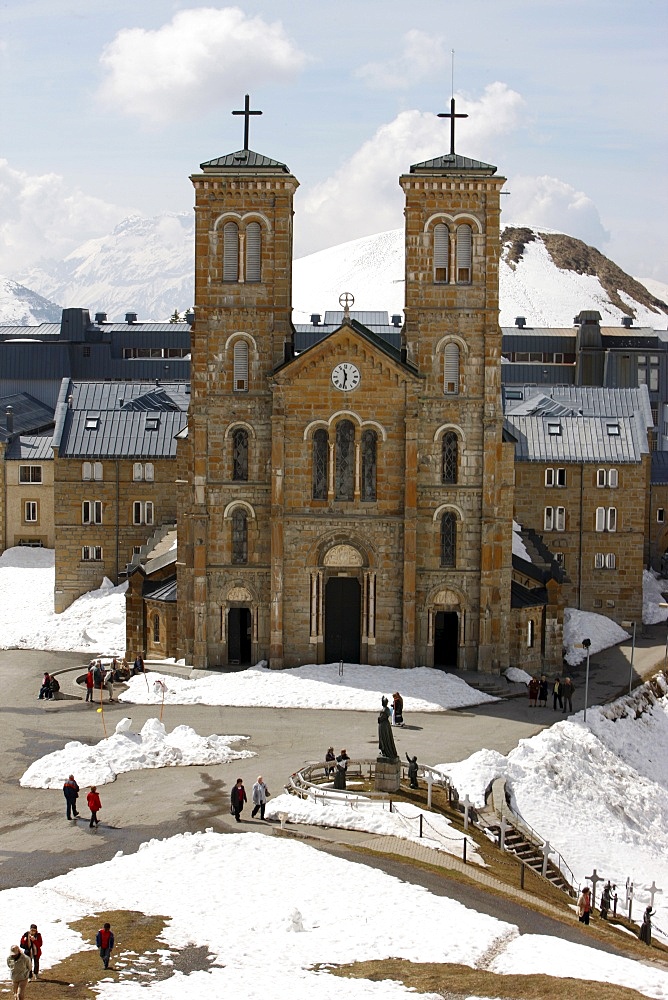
[[28, 498], [279, 564], [602, 567], [85, 553]]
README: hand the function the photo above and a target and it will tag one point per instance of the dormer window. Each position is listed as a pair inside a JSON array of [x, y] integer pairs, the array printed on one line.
[[152, 423], [92, 422], [613, 430], [554, 429]]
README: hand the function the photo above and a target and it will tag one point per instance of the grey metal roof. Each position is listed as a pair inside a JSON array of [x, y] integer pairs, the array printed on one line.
[[334, 317], [244, 158], [521, 597], [165, 592], [142, 327], [584, 400], [580, 438], [455, 163], [36, 332], [99, 424], [539, 340], [28, 415], [520, 373], [30, 448]]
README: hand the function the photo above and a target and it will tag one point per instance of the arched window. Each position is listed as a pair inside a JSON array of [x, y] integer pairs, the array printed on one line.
[[240, 366], [239, 536], [156, 628], [253, 251], [450, 458], [344, 487], [320, 457], [448, 539], [230, 252], [240, 454], [369, 449], [451, 370], [441, 242], [464, 254]]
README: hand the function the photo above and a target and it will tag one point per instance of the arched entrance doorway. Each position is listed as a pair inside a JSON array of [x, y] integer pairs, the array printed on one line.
[[239, 636], [342, 619], [446, 640]]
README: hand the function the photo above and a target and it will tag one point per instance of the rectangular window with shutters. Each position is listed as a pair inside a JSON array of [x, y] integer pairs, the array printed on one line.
[[241, 366], [599, 560], [441, 249], [451, 370], [464, 254], [253, 252], [611, 561]]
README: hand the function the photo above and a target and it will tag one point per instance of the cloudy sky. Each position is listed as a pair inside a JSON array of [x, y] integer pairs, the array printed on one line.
[[108, 107]]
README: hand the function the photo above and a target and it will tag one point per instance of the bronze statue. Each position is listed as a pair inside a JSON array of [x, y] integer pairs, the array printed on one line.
[[412, 771], [385, 738]]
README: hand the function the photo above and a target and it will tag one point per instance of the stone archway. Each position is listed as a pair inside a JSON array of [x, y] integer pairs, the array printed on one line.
[[445, 629]]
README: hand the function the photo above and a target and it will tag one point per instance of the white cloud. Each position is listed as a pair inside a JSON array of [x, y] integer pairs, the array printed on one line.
[[550, 203], [363, 196], [188, 65], [423, 56], [43, 217]]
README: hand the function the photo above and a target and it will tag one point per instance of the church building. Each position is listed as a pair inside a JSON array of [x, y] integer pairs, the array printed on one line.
[[352, 500]]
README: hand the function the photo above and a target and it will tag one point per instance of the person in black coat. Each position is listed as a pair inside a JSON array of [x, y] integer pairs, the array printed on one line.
[[237, 799], [645, 933], [542, 692], [71, 793]]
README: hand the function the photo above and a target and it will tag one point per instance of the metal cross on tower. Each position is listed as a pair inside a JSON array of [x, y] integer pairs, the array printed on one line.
[[451, 115], [247, 114]]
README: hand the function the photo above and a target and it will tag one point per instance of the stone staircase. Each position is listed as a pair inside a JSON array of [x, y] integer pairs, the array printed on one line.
[[531, 855]]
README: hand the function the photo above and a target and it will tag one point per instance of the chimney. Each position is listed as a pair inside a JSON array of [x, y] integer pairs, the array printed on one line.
[[100, 318], [627, 322], [70, 400], [189, 317], [520, 322], [130, 318], [396, 319], [315, 319], [9, 412]]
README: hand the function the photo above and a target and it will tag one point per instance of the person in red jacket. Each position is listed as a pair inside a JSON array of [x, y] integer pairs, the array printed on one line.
[[104, 939], [31, 942], [94, 804], [90, 685]]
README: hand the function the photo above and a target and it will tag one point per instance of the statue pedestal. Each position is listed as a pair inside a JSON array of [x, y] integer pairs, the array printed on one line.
[[388, 774]]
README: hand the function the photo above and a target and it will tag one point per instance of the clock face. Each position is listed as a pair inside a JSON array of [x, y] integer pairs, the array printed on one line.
[[346, 376]]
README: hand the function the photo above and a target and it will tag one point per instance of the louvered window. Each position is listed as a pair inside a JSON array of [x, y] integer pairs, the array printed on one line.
[[464, 254], [449, 458], [149, 472], [320, 455], [369, 442], [97, 471], [156, 628], [240, 454], [241, 366], [451, 370], [441, 241], [613, 478], [253, 252], [611, 561], [448, 539], [239, 537], [599, 560], [137, 472], [345, 461], [230, 252]]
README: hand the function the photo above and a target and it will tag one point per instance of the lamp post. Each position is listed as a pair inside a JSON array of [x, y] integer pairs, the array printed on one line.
[[633, 649], [586, 644]]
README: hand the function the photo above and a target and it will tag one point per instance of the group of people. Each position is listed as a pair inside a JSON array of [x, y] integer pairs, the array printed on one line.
[[49, 688], [101, 678], [608, 897], [71, 793], [562, 693], [238, 798], [23, 959]]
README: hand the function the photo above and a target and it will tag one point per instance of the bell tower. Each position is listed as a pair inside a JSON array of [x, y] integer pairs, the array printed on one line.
[[242, 329], [452, 333]]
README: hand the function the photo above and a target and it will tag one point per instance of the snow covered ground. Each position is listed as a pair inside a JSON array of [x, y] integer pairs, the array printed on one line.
[[598, 791], [281, 907], [128, 751], [313, 686]]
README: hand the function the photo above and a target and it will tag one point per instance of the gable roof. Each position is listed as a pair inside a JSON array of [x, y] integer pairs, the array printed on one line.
[[374, 339], [30, 448], [28, 415]]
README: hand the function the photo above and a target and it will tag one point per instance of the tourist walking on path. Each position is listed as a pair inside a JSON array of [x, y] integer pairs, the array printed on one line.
[[542, 692], [19, 968], [71, 793], [645, 933], [556, 694], [533, 692], [567, 689], [237, 799], [90, 684], [31, 942], [94, 804], [584, 906], [260, 795], [104, 939], [398, 709]]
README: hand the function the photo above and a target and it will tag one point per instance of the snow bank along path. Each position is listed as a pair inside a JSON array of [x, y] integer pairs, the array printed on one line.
[[128, 751]]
